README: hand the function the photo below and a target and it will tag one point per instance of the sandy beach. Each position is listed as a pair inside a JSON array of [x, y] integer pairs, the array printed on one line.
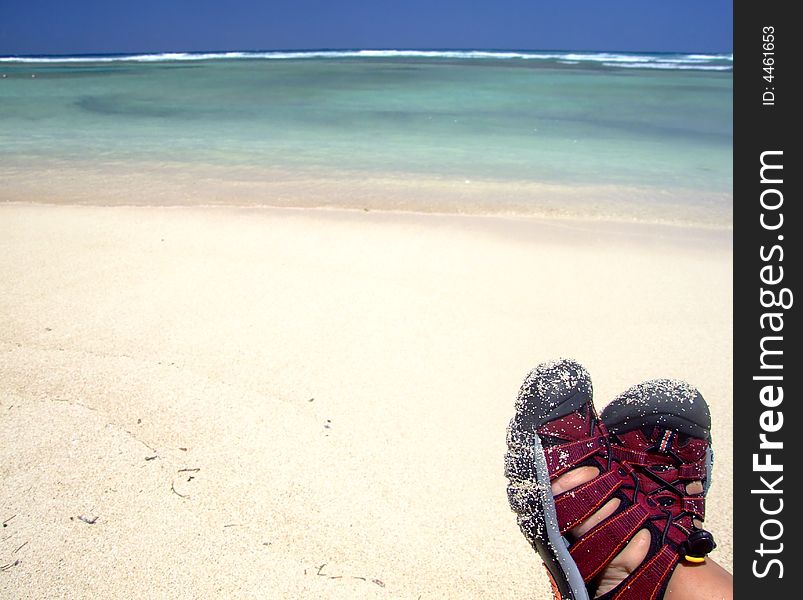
[[307, 403]]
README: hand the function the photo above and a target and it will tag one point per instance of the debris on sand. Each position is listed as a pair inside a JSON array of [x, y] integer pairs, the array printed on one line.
[[88, 520]]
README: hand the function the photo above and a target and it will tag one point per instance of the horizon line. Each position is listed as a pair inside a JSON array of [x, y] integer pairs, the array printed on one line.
[[358, 49]]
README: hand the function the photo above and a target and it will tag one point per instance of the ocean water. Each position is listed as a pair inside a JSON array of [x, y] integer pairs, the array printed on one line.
[[585, 134]]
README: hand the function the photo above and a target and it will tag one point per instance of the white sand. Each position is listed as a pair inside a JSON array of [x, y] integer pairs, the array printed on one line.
[[202, 336]]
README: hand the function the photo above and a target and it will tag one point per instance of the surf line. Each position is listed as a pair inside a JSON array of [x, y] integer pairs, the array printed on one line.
[[774, 300]]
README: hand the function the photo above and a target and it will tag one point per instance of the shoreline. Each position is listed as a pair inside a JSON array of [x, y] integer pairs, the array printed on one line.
[[179, 184], [526, 228], [583, 220]]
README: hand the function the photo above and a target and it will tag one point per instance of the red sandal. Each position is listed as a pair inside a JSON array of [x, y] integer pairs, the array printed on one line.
[[555, 430], [662, 428]]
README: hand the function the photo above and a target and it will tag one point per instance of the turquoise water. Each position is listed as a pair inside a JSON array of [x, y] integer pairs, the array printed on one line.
[[660, 122]]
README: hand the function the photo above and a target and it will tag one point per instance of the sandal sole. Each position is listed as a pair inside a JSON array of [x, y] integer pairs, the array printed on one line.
[[529, 489]]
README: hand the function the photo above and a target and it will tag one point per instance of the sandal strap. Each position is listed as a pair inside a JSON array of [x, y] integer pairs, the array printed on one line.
[[649, 580], [693, 471], [577, 504], [562, 457], [594, 550], [635, 457], [687, 471], [694, 505]]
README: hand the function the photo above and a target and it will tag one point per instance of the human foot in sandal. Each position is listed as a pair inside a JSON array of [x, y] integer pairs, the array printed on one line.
[[598, 532]]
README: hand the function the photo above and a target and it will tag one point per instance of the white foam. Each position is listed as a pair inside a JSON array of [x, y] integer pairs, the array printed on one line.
[[710, 56], [670, 66], [163, 57], [687, 61]]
